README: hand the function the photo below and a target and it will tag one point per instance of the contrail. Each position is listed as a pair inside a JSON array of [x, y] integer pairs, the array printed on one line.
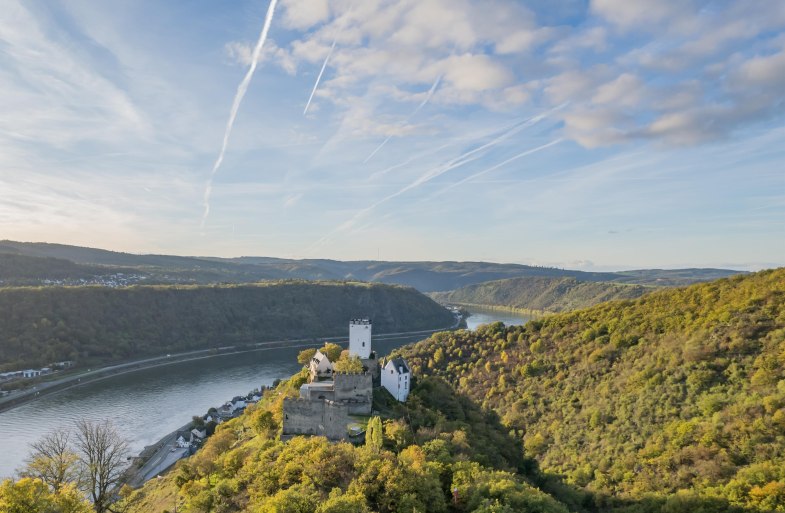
[[410, 116], [428, 96], [238, 98], [319, 77], [474, 136], [429, 175], [500, 164]]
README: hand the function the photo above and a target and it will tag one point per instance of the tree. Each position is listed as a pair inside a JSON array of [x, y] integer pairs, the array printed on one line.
[[304, 356], [374, 434], [339, 502], [30, 495], [53, 461], [102, 451], [351, 364], [263, 422], [332, 351], [398, 433]]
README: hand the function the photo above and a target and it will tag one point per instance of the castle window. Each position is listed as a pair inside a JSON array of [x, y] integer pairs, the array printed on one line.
[[363, 344]]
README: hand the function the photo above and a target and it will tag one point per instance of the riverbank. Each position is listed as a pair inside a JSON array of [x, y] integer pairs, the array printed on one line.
[[92, 376], [528, 312], [156, 459]]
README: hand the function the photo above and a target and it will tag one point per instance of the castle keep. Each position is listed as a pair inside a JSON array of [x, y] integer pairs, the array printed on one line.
[[330, 398]]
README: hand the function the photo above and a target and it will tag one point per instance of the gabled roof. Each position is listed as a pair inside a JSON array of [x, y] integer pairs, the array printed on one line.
[[400, 365], [319, 356]]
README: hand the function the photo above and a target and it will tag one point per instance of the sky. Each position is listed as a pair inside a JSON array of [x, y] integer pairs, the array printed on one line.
[[588, 134]]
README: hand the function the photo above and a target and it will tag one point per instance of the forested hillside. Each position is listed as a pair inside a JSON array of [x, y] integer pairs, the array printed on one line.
[[671, 403], [540, 293], [19, 269], [99, 324], [674, 398], [438, 453]]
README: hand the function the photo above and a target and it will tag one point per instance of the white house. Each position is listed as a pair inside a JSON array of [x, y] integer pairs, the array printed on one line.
[[31, 373], [320, 367], [238, 403], [198, 434], [360, 338], [396, 378]]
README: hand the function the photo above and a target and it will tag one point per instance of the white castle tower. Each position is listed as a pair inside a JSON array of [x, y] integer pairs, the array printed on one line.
[[360, 338]]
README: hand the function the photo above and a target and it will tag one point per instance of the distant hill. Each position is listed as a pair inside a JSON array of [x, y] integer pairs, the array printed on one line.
[[674, 402], [424, 276], [540, 293], [672, 277], [100, 324], [18, 269]]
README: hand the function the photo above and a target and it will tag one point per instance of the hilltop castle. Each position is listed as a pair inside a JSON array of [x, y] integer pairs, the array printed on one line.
[[330, 398]]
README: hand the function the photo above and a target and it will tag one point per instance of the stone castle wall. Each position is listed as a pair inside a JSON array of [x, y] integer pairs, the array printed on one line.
[[321, 418], [356, 390]]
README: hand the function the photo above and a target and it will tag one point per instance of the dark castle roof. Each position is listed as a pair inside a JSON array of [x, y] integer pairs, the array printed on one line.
[[399, 363]]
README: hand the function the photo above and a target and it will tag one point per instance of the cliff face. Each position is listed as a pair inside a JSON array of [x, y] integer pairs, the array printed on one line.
[[97, 324]]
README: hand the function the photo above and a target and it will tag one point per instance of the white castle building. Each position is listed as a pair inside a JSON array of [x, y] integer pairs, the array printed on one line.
[[360, 338], [396, 378]]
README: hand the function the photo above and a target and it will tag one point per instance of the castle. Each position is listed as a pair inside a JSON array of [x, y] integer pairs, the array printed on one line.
[[330, 399]]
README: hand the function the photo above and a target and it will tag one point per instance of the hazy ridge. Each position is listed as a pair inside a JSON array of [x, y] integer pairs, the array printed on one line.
[[540, 293], [424, 276]]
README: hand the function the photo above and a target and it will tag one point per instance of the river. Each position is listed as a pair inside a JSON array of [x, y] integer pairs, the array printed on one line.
[[147, 404], [478, 316]]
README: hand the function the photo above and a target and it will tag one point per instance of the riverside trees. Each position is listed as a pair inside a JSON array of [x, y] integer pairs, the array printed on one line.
[[90, 458]]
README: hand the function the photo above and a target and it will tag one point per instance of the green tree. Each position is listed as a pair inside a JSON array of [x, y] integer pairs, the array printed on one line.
[[374, 434], [339, 502], [263, 422], [332, 351], [304, 356], [398, 433], [351, 364], [53, 461], [297, 499], [29, 495]]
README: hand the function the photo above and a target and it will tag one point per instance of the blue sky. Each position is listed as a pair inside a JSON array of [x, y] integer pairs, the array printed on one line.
[[585, 134]]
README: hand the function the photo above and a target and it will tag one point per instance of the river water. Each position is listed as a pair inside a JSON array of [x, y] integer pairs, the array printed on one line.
[[480, 316], [147, 404]]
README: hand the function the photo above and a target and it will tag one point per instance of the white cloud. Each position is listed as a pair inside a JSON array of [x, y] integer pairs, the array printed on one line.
[[242, 53], [304, 14], [646, 14], [766, 72], [625, 91], [472, 73], [595, 127]]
